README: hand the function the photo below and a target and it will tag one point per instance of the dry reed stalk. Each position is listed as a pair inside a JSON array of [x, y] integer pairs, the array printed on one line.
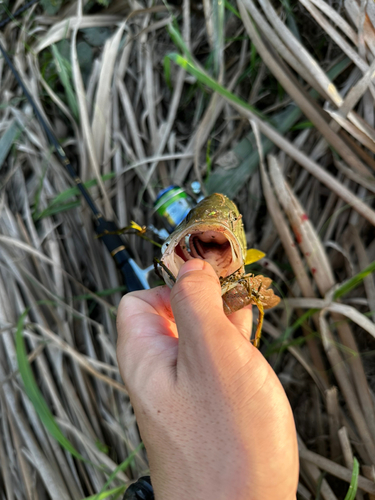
[[131, 124], [337, 470]]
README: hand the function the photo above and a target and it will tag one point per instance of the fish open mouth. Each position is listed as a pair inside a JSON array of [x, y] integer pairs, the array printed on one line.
[[211, 246], [216, 245]]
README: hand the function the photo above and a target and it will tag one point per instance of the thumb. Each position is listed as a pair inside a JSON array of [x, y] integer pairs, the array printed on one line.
[[197, 306]]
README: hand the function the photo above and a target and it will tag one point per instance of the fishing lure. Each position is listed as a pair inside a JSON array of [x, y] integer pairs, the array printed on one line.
[[213, 231]]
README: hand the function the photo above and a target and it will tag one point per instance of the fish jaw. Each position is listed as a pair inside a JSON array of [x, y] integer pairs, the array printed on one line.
[[211, 241]]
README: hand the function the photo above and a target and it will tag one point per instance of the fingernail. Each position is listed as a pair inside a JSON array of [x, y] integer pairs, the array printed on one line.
[[191, 265]]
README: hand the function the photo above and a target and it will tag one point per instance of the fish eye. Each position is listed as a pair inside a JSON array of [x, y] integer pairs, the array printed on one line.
[[164, 247]]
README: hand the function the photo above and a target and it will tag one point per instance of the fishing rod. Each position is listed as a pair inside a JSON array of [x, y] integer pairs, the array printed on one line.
[[135, 278]]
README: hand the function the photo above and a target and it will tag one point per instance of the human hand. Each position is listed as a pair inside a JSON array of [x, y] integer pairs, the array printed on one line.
[[212, 413]]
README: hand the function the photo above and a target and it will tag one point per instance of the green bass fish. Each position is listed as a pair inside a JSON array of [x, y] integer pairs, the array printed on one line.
[[213, 231]]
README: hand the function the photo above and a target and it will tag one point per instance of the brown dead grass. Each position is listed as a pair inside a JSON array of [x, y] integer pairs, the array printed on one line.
[[309, 204]]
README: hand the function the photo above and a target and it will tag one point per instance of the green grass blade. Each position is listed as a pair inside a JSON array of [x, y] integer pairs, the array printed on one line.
[[354, 282], [253, 58], [74, 191], [178, 41], [230, 7], [218, 11], [64, 70], [51, 7], [284, 341], [108, 493], [7, 139], [319, 485], [57, 209], [303, 125], [121, 467], [211, 83], [58, 203], [352, 491], [34, 394], [299, 322], [290, 19]]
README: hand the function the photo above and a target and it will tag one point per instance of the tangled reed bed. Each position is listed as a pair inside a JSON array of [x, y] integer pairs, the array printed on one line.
[[269, 103]]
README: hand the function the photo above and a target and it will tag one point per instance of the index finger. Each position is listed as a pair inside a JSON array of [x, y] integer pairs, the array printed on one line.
[[146, 334], [156, 301]]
